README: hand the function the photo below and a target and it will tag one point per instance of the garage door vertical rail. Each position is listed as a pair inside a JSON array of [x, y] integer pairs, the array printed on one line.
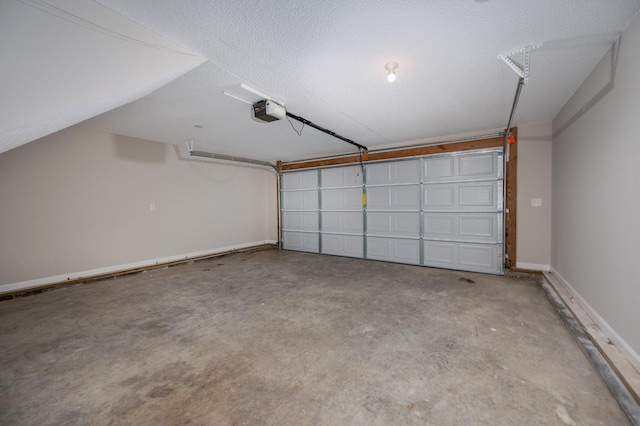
[[319, 211], [363, 170]]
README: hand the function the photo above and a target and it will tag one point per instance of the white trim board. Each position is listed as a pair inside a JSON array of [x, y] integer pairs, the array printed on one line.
[[40, 282], [624, 360], [533, 266]]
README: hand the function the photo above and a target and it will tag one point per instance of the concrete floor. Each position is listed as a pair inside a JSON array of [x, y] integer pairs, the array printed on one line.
[[284, 338]]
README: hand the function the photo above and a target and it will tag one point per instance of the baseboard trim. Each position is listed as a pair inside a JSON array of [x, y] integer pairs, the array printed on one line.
[[625, 361], [590, 347], [110, 271], [532, 266]]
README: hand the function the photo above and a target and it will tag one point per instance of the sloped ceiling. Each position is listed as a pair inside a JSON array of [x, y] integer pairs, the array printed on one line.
[[325, 61], [66, 61]]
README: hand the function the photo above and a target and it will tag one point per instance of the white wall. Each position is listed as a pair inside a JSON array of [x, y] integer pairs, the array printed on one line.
[[533, 246], [596, 193], [78, 202]]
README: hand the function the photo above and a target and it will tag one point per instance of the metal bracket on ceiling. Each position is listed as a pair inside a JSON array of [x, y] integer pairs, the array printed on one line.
[[521, 70]]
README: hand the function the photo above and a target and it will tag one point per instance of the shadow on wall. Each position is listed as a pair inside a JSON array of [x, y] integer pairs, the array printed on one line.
[[140, 151], [580, 110]]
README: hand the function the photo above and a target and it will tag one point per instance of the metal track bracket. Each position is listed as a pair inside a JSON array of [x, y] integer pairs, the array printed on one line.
[[196, 153], [521, 70]]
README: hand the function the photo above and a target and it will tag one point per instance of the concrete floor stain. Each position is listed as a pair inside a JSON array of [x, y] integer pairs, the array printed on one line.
[[286, 338]]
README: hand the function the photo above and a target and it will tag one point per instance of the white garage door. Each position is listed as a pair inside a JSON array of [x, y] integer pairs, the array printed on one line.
[[440, 210]]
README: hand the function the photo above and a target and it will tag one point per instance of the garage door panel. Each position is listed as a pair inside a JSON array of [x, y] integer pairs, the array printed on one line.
[[477, 195], [378, 223], [439, 225], [378, 198], [299, 200], [439, 253], [300, 180], [341, 176], [471, 227], [479, 226], [469, 257], [378, 174], [399, 224], [393, 250], [478, 166], [439, 196], [341, 199], [406, 197], [394, 198], [407, 224], [342, 245], [346, 222], [439, 168], [477, 255], [461, 167], [300, 221], [407, 171], [466, 196], [301, 241]]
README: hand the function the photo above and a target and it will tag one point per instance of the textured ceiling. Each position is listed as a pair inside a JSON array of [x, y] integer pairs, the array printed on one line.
[[66, 61], [325, 60]]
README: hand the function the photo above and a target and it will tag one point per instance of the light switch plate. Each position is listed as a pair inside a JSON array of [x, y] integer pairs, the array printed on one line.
[[536, 202]]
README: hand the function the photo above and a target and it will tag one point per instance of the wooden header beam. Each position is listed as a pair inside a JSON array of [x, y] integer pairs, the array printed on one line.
[[398, 153]]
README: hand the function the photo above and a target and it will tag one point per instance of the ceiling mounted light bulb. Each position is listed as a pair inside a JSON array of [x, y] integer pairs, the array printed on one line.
[[391, 67]]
